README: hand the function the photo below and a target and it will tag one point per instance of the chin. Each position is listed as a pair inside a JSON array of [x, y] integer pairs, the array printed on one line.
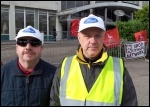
[[28, 59], [92, 55]]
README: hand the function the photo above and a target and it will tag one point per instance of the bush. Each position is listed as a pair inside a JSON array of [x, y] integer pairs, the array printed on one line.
[[140, 22], [127, 29]]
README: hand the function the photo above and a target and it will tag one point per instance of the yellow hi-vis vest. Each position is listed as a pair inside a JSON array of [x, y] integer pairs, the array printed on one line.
[[106, 91]]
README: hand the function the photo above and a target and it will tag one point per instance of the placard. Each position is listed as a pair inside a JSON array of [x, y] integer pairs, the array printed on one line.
[[135, 50]]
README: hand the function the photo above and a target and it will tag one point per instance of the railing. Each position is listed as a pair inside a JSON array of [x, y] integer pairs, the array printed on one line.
[[54, 52], [65, 35]]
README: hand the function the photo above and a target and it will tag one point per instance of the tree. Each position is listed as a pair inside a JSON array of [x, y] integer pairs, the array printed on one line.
[[142, 14], [140, 22]]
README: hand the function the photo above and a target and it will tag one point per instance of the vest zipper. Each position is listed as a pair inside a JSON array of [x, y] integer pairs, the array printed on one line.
[[27, 79], [27, 91]]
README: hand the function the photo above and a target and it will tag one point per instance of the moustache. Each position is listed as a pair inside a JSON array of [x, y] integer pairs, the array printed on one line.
[[28, 52]]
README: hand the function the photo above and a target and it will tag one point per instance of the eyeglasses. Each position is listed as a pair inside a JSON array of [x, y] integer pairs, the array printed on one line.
[[24, 42]]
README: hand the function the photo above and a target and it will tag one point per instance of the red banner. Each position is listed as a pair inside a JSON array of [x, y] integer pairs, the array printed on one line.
[[112, 38], [141, 36], [74, 27]]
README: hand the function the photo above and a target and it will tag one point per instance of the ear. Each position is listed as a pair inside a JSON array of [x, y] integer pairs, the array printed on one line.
[[78, 36], [16, 47], [42, 47]]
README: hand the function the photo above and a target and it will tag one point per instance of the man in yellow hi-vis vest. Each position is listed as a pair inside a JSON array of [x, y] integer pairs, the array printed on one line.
[[92, 77]]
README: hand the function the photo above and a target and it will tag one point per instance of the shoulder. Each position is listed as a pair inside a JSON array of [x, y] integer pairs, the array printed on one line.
[[118, 58], [9, 64], [47, 65]]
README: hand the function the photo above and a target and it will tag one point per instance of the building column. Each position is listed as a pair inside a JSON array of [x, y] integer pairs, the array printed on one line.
[[47, 23], [58, 29], [68, 26], [91, 10], [131, 15], [12, 24], [36, 19], [105, 15]]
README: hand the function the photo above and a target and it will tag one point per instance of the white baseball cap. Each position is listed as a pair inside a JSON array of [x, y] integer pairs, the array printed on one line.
[[30, 32], [91, 21]]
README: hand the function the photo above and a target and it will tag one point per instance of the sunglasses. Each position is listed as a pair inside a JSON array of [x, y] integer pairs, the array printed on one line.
[[24, 42]]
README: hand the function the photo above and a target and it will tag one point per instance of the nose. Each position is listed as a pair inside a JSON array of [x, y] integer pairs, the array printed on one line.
[[28, 46], [92, 39]]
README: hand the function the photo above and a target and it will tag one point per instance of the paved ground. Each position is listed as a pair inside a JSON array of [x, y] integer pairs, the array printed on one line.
[[139, 71], [54, 52]]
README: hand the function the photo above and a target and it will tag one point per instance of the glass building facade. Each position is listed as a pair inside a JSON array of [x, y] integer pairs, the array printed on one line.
[[44, 18]]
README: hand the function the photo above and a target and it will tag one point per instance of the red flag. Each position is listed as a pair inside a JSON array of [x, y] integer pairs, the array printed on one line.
[[141, 36], [74, 27], [112, 38]]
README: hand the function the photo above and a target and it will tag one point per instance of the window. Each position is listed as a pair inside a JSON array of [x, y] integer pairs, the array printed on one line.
[[82, 3], [52, 21], [132, 2], [43, 21], [63, 5], [86, 2], [70, 4], [19, 19], [30, 17], [79, 3], [145, 2], [4, 20], [80, 14], [136, 2]]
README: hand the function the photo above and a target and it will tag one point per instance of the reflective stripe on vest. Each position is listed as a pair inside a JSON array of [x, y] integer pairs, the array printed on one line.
[[106, 91]]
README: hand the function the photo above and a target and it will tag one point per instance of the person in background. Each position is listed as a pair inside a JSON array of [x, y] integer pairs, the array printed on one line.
[[147, 52], [54, 33], [26, 81], [92, 77]]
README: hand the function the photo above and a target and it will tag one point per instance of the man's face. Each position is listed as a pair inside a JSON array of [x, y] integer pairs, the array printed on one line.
[[28, 52], [91, 41]]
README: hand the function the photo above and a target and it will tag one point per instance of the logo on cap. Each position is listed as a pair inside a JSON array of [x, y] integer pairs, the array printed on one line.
[[29, 30], [90, 20]]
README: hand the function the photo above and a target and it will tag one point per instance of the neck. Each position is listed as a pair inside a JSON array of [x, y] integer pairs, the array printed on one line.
[[28, 65], [95, 58]]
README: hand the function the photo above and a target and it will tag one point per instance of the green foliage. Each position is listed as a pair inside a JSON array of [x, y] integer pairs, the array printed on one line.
[[142, 14], [127, 29], [140, 22]]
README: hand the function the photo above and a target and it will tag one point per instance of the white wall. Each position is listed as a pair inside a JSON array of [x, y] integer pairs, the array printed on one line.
[[49, 5]]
